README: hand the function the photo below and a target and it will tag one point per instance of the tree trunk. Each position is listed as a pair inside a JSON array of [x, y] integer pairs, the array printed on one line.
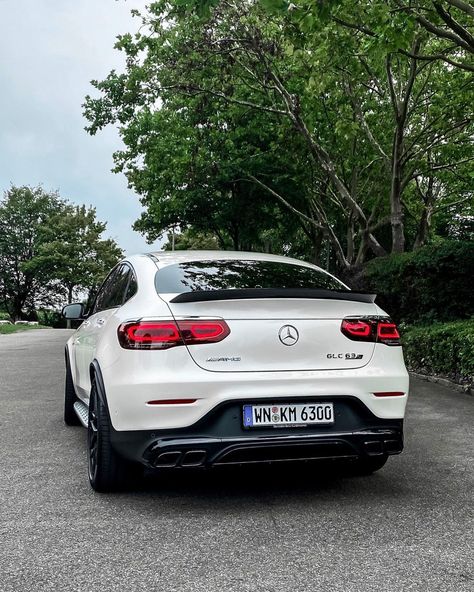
[[423, 228], [424, 224], [350, 239], [16, 308], [363, 248], [321, 156], [317, 244], [396, 208], [69, 301]]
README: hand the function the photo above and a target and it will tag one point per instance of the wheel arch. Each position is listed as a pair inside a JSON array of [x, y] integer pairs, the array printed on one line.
[[96, 374], [67, 361]]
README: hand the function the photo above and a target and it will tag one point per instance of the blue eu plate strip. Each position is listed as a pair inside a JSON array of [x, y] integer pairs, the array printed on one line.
[[248, 416]]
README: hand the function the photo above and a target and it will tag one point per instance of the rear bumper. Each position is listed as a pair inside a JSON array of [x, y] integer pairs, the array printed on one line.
[[128, 393], [220, 439]]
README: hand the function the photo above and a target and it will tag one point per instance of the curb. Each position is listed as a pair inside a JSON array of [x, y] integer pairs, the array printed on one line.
[[461, 388]]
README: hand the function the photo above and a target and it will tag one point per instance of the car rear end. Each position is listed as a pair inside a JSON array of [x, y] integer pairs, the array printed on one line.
[[244, 358]]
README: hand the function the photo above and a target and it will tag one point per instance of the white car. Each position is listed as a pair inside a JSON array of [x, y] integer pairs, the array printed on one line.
[[205, 358]]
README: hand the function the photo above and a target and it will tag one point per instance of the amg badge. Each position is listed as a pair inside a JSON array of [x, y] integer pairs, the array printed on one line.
[[232, 359]]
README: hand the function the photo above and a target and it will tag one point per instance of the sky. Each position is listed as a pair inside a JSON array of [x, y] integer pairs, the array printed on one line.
[[49, 52]]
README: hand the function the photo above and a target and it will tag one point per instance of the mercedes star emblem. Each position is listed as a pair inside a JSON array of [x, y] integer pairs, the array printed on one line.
[[288, 335]]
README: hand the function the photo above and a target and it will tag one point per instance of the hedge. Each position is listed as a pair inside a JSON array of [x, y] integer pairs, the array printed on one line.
[[433, 283], [445, 349]]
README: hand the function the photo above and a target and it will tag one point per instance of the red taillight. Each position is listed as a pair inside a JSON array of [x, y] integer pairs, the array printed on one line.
[[203, 331], [387, 331], [166, 334], [389, 394], [372, 329], [152, 333], [357, 329]]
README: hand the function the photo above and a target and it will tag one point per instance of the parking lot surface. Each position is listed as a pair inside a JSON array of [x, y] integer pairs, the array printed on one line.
[[408, 527]]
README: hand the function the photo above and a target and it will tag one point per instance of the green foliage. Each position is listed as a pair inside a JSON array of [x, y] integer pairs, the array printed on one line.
[[53, 318], [23, 211], [433, 283], [305, 97], [72, 251], [191, 240], [446, 349], [48, 248]]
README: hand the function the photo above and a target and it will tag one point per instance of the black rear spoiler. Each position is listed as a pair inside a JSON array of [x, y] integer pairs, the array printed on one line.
[[254, 293]]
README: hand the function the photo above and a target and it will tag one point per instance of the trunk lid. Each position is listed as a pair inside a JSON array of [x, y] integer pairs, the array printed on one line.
[[278, 334]]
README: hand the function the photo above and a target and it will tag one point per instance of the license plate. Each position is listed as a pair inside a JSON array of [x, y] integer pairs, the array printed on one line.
[[298, 414]]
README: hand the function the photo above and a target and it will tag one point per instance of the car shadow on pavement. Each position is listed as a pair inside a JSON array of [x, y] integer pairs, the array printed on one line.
[[220, 485]]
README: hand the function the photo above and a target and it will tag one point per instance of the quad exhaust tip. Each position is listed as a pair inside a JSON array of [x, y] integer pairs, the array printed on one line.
[[191, 458]]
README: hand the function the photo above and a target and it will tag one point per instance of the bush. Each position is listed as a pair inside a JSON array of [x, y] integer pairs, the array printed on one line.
[[433, 283], [444, 348], [51, 318]]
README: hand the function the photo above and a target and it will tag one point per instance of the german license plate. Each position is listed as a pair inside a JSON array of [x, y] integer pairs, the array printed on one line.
[[295, 415]]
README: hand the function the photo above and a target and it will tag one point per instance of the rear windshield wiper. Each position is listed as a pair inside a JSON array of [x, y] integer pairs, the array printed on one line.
[[254, 293]]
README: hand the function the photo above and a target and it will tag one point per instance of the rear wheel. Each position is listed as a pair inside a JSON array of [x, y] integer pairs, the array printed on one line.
[[70, 417], [108, 471]]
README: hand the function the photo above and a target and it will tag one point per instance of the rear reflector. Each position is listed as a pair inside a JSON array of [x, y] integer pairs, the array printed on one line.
[[375, 329], [389, 394], [166, 334], [172, 402]]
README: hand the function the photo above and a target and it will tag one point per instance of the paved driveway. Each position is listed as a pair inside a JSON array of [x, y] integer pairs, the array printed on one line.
[[409, 527]]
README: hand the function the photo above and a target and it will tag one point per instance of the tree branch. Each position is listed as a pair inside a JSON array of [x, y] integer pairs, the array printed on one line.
[[463, 6], [454, 25], [326, 227], [193, 90], [355, 26], [439, 32], [364, 124]]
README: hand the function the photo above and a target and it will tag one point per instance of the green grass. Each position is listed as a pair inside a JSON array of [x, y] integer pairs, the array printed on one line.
[[8, 329]]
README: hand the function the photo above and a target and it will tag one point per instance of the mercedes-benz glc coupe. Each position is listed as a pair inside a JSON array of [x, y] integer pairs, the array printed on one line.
[[206, 358]]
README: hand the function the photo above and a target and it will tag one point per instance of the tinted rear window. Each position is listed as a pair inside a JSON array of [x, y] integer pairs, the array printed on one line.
[[231, 275]]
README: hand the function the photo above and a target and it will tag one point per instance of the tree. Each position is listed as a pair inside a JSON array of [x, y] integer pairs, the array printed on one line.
[[48, 250], [23, 211], [72, 251], [190, 160], [343, 120], [190, 240], [449, 22]]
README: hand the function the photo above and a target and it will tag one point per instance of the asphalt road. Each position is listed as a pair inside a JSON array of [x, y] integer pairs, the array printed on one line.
[[408, 527]]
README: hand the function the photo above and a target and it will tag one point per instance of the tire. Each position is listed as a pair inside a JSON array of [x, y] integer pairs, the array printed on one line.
[[369, 465], [108, 472], [70, 417]]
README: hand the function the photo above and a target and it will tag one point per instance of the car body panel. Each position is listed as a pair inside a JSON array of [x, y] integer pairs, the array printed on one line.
[[155, 377], [258, 329]]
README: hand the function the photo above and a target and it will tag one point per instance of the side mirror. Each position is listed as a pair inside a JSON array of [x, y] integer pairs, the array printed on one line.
[[73, 312]]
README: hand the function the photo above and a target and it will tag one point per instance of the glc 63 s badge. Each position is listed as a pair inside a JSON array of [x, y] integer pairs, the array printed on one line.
[[348, 356]]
